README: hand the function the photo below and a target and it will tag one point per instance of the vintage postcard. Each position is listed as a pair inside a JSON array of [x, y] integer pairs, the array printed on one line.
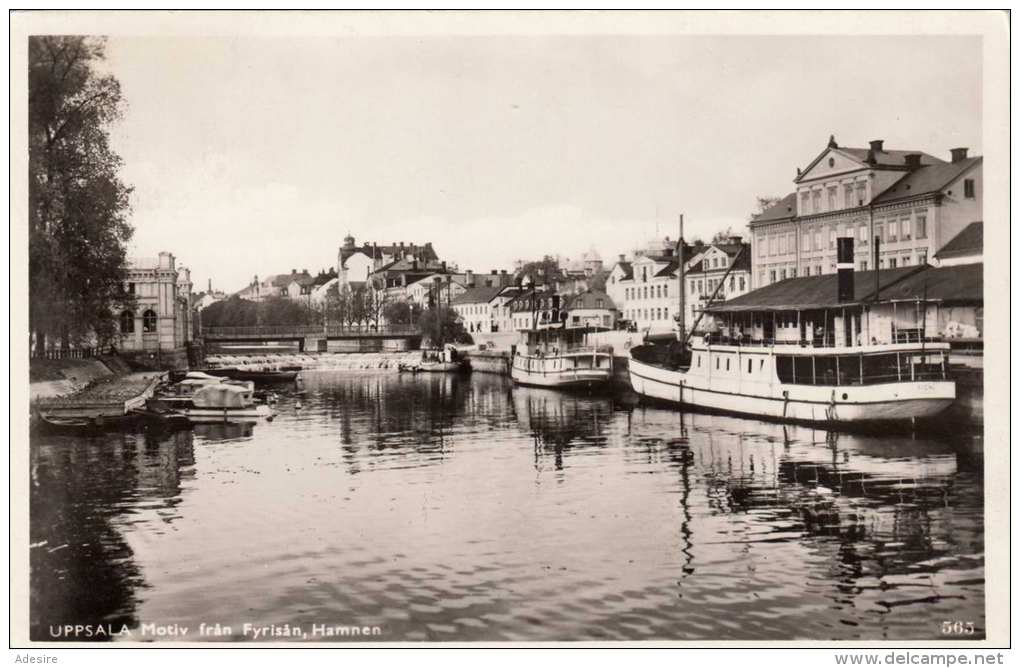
[[505, 328]]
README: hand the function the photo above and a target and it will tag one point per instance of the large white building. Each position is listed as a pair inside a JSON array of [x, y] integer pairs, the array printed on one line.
[[722, 271], [915, 203]]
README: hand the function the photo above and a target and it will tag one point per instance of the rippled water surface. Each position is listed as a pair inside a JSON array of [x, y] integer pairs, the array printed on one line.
[[450, 509]]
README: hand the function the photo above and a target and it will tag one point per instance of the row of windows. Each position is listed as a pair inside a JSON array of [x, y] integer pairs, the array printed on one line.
[[635, 314], [707, 287], [647, 292], [127, 322], [885, 262], [853, 195], [896, 228]]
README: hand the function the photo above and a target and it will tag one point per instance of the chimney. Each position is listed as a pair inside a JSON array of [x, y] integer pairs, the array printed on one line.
[[845, 269], [669, 252], [913, 160], [293, 271], [444, 266], [493, 272], [876, 145], [623, 258], [469, 278], [210, 285], [959, 154], [735, 239]]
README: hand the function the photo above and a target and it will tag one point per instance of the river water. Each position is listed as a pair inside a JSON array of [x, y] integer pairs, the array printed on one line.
[[442, 508]]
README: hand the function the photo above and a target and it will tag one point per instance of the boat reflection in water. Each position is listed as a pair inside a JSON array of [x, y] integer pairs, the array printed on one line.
[[443, 507]]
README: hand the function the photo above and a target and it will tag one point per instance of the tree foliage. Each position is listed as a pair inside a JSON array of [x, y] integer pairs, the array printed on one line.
[[78, 206], [764, 202], [540, 272], [274, 311], [442, 325]]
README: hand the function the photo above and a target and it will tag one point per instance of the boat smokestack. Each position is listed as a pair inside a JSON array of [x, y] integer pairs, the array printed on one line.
[[845, 269]]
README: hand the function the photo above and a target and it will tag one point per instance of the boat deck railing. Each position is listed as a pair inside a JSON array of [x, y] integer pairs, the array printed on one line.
[[900, 337]]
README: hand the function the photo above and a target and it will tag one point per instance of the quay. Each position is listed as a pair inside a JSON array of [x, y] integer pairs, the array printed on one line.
[[110, 396]]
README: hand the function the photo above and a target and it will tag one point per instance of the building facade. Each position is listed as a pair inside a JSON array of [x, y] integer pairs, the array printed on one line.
[[722, 272], [158, 327], [913, 202]]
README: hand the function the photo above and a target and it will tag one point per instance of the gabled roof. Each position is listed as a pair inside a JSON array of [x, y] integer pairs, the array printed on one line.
[[884, 159], [669, 269], [930, 179], [626, 268], [970, 241], [480, 295], [960, 284], [589, 300], [784, 209]]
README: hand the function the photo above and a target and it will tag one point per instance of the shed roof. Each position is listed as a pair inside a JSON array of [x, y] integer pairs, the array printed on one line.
[[927, 179], [960, 284], [969, 241]]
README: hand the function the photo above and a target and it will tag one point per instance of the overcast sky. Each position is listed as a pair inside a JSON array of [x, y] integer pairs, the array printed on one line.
[[257, 155]]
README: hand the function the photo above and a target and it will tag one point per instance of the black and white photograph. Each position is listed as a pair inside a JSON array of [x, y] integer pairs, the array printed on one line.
[[460, 328]]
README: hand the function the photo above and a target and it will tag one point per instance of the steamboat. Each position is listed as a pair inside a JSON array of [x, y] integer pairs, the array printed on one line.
[[817, 350], [558, 356]]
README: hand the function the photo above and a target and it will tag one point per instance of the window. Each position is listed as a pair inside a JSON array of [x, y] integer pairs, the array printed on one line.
[[921, 225], [968, 188], [861, 193], [816, 201], [793, 272], [782, 244], [773, 244], [131, 288], [722, 262], [922, 257], [892, 231], [127, 322], [832, 198], [741, 283], [807, 270], [805, 199], [749, 365], [727, 363], [760, 242], [599, 303], [818, 270], [862, 234], [665, 290], [772, 276], [782, 274], [818, 238], [806, 240], [892, 263], [848, 196], [733, 283], [864, 265], [905, 262], [791, 242], [716, 362], [832, 237], [905, 228], [880, 231], [149, 321]]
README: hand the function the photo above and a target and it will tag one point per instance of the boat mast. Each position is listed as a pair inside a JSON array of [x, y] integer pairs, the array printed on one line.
[[680, 259]]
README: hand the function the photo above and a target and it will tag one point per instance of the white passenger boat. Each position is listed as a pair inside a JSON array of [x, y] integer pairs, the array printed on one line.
[[824, 349], [557, 357], [205, 398]]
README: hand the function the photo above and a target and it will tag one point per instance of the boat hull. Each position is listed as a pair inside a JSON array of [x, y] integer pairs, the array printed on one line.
[[561, 372], [205, 415], [890, 402]]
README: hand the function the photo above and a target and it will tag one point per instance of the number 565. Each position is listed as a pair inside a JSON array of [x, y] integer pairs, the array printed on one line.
[[957, 628]]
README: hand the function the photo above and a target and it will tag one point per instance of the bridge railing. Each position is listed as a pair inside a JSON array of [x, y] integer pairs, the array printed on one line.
[[296, 331]]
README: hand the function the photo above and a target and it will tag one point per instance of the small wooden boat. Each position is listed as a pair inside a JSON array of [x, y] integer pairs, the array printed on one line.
[[447, 360], [204, 398]]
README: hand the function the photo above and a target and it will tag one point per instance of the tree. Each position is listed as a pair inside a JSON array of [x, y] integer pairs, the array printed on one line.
[[441, 325], [722, 236], [78, 206], [397, 313], [764, 203], [541, 272]]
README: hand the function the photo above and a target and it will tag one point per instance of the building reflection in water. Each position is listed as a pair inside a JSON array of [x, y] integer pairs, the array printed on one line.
[[82, 494]]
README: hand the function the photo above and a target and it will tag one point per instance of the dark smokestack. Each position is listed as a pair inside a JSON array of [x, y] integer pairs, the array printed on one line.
[[876, 145], [958, 154], [878, 243], [845, 269]]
